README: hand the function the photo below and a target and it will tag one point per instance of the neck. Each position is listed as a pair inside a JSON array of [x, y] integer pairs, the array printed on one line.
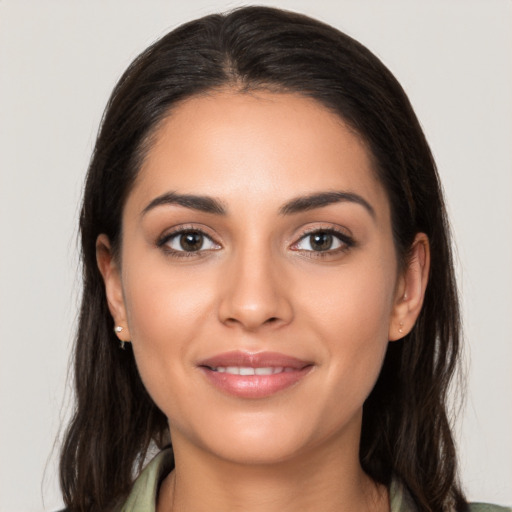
[[327, 479]]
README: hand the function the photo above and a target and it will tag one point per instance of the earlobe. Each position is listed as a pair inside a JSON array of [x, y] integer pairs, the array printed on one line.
[[411, 289], [111, 273]]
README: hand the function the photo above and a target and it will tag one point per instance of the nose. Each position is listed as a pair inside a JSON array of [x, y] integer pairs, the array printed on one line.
[[254, 293]]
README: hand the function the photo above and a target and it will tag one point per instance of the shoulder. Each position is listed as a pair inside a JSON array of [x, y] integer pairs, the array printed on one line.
[[401, 501], [487, 507], [473, 507], [144, 492], [142, 496]]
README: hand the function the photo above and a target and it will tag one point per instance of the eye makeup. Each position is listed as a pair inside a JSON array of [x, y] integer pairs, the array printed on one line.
[[193, 241]]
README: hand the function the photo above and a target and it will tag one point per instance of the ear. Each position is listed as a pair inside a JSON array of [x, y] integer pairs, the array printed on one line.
[[410, 290], [111, 272]]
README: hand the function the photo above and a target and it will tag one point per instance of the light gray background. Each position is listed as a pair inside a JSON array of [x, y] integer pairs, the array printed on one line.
[[58, 63]]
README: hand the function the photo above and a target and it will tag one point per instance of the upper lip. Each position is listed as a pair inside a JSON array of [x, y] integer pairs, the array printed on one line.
[[254, 360]]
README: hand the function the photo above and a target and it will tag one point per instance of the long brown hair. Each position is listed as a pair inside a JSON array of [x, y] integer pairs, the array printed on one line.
[[406, 430]]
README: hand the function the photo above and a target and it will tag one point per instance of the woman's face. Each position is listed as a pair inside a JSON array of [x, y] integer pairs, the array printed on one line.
[[259, 282]]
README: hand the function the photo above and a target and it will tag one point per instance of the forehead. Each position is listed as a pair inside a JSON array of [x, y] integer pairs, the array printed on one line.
[[257, 146]]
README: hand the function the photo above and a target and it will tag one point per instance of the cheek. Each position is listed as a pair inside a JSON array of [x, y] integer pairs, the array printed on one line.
[[355, 299], [162, 302], [166, 312], [350, 310]]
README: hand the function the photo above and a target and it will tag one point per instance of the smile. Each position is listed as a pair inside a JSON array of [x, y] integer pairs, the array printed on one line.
[[259, 375], [247, 370]]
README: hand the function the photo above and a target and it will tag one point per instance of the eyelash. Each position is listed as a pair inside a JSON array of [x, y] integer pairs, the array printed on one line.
[[182, 230], [346, 241]]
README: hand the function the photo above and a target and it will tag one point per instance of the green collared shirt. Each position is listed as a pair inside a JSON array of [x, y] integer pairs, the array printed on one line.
[[143, 496]]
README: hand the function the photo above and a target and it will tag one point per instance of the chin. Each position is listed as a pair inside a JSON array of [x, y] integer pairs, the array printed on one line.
[[255, 450], [248, 440]]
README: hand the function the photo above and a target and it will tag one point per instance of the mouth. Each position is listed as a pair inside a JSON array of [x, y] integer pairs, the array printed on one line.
[[259, 375], [248, 370]]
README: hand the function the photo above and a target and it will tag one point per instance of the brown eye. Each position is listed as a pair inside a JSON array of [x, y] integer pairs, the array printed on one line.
[[191, 241], [188, 241], [320, 241], [327, 241]]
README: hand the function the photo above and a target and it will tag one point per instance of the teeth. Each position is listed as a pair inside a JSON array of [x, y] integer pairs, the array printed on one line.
[[246, 370], [263, 371]]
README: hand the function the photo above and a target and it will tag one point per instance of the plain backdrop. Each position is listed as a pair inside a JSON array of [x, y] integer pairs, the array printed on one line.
[[58, 63]]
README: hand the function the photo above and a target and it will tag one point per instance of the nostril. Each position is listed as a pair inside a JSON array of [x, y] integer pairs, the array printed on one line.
[[271, 320]]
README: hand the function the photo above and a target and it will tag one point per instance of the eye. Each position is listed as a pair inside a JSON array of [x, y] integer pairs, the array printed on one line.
[[187, 241], [323, 240]]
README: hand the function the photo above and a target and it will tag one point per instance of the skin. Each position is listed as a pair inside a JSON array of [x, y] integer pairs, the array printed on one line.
[[257, 286]]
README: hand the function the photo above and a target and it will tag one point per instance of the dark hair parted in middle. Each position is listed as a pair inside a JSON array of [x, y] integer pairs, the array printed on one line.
[[405, 428]]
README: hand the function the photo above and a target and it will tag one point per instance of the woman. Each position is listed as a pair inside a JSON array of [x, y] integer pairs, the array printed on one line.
[[264, 233]]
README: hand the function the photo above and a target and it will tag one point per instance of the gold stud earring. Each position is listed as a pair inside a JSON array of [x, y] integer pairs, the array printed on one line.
[[400, 330]]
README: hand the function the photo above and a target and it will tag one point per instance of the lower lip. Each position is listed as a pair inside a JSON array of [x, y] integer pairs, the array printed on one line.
[[254, 386]]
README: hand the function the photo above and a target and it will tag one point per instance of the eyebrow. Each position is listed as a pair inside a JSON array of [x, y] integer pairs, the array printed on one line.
[[202, 203], [318, 200], [300, 204]]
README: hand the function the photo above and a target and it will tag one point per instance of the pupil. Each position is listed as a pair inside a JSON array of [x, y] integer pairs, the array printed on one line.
[[321, 241], [191, 241]]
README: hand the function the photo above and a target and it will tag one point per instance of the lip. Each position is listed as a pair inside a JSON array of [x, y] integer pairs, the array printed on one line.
[[254, 386]]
